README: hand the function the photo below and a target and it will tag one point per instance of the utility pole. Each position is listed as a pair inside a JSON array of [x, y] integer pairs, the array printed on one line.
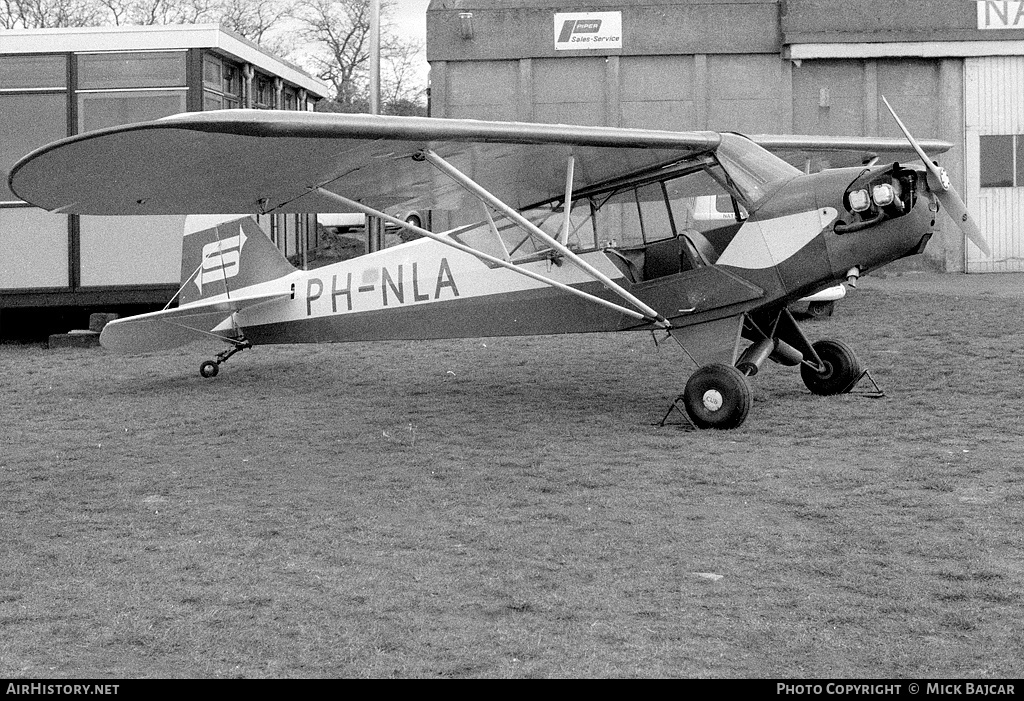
[[374, 226]]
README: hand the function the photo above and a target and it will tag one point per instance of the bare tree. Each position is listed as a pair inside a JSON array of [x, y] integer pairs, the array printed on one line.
[[401, 90], [36, 14], [337, 32], [256, 20]]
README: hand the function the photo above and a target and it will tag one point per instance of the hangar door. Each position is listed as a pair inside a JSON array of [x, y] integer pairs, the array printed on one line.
[[994, 159]]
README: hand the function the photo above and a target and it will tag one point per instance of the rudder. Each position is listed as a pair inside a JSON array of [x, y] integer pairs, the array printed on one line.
[[224, 253]]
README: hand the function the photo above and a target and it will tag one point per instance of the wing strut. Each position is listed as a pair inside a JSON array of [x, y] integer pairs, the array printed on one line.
[[570, 169], [524, 223], [452, 243]]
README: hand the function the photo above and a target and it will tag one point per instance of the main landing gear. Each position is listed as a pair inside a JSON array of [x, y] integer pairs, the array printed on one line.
[[210, 368], [719, 395]]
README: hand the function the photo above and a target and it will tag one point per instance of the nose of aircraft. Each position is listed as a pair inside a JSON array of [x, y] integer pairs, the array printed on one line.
[[939, 184]]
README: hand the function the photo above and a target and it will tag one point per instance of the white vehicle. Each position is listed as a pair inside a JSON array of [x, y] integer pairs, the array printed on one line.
[[346, 221], [342, 221]]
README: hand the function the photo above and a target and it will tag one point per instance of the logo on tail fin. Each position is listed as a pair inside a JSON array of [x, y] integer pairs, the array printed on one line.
[[220, 259]]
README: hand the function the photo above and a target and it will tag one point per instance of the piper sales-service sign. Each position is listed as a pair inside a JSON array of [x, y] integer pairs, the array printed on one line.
[[588, 30]]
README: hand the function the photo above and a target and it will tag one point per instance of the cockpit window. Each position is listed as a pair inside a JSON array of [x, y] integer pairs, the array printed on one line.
[[753, 171]]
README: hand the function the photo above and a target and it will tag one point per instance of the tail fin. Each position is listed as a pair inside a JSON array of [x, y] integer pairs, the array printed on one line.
[[224, 253]]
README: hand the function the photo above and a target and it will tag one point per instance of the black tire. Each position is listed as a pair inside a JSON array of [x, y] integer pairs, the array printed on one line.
[[209, 369], [842, 369], [414, 220], [717, 396]]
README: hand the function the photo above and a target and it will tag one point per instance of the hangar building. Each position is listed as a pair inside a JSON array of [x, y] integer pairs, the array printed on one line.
[[952, 70], [60, 82]]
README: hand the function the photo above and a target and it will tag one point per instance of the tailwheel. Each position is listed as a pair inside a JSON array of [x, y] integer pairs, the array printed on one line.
[[839, 372], [210, 368], [717, 396]]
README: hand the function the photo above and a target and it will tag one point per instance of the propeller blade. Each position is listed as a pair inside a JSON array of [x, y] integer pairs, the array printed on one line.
[[939, 176], [938, 181], [957, 211]]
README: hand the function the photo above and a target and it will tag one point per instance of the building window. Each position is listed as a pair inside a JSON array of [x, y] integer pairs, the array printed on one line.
[[222, 84], [1002, 160], [263, 92], [33, 248], [30, 120], [291, 100], [125, 87], [161, 69], [33, 72], [97, 110]]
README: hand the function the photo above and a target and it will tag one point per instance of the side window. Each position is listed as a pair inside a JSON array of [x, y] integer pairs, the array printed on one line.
[[618, 220], [699, 202], [997, 160], [704, 212], [551, 220], [582, 236], [654, 213]]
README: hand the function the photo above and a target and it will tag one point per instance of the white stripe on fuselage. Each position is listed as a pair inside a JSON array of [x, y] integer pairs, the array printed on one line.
[[418, 272], [765, 244]]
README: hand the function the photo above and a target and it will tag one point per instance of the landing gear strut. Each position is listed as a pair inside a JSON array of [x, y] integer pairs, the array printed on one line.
[[210, 368], [719, 395]]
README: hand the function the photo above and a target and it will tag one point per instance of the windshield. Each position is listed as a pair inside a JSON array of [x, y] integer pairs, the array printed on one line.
[[755, 172]]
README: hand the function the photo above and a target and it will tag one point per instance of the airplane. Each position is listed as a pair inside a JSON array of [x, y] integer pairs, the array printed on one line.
[[554, 229]]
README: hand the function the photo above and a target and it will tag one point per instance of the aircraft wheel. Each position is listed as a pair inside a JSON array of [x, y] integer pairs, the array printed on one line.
[[209, 369], [717, 396], [842, 369]]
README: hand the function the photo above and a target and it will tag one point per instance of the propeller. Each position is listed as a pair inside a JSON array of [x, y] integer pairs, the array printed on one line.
[[938, 181]]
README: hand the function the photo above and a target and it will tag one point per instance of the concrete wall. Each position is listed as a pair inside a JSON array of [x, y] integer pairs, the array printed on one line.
[[849, 21]]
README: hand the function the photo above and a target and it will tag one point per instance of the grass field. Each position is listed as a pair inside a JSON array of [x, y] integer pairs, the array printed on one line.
[[510, 508]]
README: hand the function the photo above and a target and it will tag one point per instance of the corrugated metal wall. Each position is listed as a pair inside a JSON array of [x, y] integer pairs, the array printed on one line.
[[994, 105]]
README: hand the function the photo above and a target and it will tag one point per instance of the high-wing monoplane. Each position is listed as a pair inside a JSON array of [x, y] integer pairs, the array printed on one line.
[[704, 236]]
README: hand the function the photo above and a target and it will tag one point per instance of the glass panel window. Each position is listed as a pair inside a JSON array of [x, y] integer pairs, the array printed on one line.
[[704, 212], [264, 92], [33, 248], [108, 109], [996, 161], [290, 99], [131, 70], [19, 72], [212, 101], [130, 250], [755, 172], [618, 220], [212, 72], [232, 80], [30, 121], [654, 212], [700, 202]]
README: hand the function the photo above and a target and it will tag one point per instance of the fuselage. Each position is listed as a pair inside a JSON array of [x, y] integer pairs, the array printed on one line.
[[787, 247]]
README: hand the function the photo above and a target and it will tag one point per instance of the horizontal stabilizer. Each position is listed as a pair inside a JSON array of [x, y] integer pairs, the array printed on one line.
[[170, 328]]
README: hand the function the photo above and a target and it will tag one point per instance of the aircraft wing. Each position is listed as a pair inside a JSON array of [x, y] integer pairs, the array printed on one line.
[[267, 160], [260, 161], [170, 328], [840, 151]]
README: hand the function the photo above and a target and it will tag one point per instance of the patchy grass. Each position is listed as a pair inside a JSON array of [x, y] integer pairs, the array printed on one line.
[[509, 508]]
